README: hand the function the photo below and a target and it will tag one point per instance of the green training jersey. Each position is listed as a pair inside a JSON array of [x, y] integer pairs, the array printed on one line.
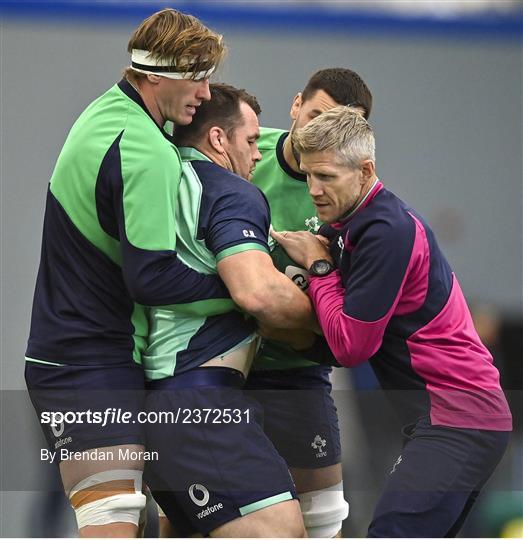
[[109, 239], [218, 214], [291, 210]]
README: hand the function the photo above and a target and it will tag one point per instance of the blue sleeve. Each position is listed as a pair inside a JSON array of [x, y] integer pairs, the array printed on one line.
[[378, 266], [239, 219], [159, 278]]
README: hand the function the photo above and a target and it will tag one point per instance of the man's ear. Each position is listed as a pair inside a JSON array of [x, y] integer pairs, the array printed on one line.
[[217, 138], [368, 170], [295, 107], [153, 79]]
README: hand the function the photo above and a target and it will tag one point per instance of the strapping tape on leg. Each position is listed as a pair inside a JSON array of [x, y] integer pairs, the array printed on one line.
[[108, 497], [324, 511]]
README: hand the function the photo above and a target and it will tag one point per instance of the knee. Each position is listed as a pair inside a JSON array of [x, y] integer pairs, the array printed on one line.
[[324, 511]]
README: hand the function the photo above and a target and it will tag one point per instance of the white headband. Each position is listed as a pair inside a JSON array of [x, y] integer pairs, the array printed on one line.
[[145, 62]]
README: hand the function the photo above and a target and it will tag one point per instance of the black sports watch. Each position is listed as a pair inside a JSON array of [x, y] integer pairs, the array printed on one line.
[[321, 267]]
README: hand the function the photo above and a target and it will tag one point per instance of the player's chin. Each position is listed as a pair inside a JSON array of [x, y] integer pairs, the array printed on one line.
[[184, 118], [324, 213]]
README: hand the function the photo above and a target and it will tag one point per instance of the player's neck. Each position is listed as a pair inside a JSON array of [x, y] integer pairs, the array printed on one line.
[[365, 192], [150, 102], [288, 155]]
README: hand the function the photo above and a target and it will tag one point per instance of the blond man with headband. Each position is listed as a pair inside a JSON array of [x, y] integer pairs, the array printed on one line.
[[108, 248], [384, 292]]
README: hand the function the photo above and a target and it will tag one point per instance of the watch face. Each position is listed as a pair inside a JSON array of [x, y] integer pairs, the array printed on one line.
[[321, 268]]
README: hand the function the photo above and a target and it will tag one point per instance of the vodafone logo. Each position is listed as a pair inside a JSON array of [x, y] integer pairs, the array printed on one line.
[[58, 429], [199, 494]]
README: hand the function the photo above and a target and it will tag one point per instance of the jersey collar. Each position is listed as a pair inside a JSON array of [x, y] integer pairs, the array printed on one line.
[[283, 164], [130, 91], [188, 153], [373, 191]]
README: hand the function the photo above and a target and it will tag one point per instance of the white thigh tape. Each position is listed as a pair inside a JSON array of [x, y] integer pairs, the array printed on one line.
[[125, 508], [109, 476], [109, 497]]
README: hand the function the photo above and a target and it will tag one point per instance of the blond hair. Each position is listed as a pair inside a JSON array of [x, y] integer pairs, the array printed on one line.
[[179, 39], [342, 130]]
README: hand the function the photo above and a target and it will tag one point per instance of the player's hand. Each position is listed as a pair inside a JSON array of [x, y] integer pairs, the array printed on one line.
[[324, 240], [302, 246]]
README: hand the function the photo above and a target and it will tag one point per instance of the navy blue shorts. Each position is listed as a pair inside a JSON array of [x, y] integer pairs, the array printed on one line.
[[299, 415], [215, 463], [434, 483], [71, 389]]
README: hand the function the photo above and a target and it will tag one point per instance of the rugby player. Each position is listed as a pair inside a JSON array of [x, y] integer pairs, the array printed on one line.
[[384, 292], [217, 473], [300, 417], [109, 244]]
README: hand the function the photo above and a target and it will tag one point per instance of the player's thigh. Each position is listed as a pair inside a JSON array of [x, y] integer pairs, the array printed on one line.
[[167, 530], [299, 416], [107, 493], [120, 457], [218, 465], [83, 406], [282, 520], [316, 479], [111, 530], [100, 463]]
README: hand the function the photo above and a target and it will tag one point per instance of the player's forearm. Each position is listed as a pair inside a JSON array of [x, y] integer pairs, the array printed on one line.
[[277, 302], [352, 341]]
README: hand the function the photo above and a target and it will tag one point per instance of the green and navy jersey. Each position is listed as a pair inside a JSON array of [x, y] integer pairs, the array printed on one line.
[[218, 214], [291, 210], [109, 238]]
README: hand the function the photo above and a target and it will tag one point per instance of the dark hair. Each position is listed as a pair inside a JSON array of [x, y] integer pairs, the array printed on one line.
[[344, 86], [223, 110]]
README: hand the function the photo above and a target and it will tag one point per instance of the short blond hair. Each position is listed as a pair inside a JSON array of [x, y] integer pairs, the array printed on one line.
[[180, 39], [342, 130]]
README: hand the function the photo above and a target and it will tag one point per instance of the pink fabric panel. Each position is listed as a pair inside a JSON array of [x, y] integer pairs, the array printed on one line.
[[350, 340], [346, 243], [461, 380], [353, 341], [417, 285]]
